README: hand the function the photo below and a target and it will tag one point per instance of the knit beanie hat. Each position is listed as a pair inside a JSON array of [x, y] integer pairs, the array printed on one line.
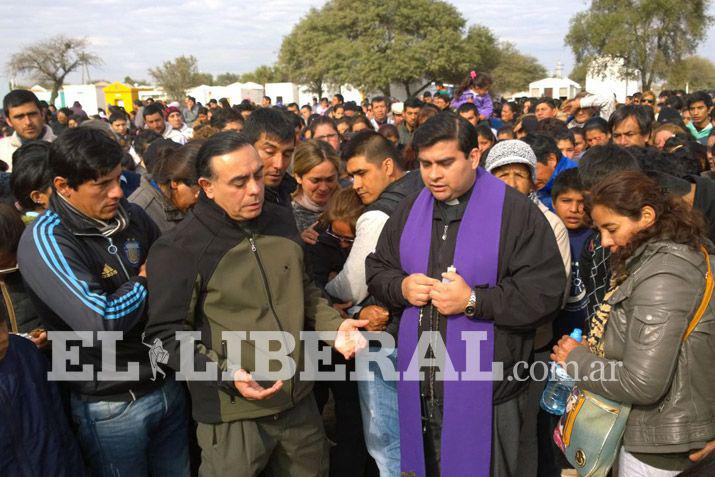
[[511, 151], [171, 109]]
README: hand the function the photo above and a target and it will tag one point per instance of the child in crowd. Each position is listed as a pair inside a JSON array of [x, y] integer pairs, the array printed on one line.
[[579, 145], [566, 143], [568, 199], [475, 89]]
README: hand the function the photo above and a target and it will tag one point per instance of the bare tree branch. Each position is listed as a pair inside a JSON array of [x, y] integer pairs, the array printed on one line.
[[50, 61]]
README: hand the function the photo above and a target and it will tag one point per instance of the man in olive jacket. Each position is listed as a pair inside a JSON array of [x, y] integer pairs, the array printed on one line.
[[236, 264]]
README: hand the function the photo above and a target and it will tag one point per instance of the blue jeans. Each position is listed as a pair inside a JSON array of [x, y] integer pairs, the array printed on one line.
[[145, 437], [380, 420]]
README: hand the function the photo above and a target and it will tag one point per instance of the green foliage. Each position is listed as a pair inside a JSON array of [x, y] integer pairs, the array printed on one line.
[[179, 75], [580, 71], [131, 81], [203, 78], [225, 79], [384, 42], [514, 70], [482, 52], [694, 72], [264, 74], [649, 35], [310, 54]]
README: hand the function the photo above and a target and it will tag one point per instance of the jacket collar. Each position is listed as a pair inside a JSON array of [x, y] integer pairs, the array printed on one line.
[[80, 224], [46, 135], [281, 195], [217, 220], [650, 248]]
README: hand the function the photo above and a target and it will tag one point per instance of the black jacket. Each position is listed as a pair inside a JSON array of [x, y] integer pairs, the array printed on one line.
[[530, 281], [325, 257], [704, 201], [213, 274], [16, 308], [396, 192], [80, 280], [595, 267], [281, 195]]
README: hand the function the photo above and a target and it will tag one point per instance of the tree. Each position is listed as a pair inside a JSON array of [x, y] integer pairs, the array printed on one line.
[[225, 79], [515, 70], [204, 78], [263, 74], [483, 53], [179, 75], [384, 42], [50, 61], [649, 35], [693, 73], [580, 71], [311, 54], [131, 81]]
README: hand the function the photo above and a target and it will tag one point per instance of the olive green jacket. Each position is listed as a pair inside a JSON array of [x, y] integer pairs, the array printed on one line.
[[213, 274]]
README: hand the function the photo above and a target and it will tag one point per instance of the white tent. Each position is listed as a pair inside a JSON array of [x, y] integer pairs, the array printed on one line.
[[90, 96], [560, 88], [517, 95], [237, 92], [155, 92], [204, 92]]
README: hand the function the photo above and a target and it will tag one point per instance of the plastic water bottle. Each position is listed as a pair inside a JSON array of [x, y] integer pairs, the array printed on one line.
[[559, 387]]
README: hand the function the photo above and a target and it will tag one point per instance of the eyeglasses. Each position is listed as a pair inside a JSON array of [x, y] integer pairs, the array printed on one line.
[[648, 101], [339, 237]]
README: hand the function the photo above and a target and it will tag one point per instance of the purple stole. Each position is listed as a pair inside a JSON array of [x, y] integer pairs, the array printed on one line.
[[467, 413]]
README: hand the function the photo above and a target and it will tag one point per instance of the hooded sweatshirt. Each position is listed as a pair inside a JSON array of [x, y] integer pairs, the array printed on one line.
[[544, 194]]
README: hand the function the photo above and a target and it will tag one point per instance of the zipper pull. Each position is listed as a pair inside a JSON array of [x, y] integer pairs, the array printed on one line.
[[253, 244], [444, 234], [112, 248]]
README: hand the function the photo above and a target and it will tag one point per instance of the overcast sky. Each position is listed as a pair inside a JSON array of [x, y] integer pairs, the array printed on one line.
[[236, 36]]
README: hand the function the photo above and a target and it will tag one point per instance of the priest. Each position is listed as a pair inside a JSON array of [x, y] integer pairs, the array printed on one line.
[[468, 260]]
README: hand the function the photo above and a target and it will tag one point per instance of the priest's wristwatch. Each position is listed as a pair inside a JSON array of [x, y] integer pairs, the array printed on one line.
[[471, 308]]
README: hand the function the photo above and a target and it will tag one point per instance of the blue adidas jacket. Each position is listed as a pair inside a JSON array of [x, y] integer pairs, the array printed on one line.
[[80, 280]]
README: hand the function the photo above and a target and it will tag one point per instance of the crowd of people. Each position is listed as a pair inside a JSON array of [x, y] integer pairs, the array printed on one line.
[[137, 248]]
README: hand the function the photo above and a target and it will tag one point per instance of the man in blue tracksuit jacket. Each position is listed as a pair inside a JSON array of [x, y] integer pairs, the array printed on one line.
[[83, 261]]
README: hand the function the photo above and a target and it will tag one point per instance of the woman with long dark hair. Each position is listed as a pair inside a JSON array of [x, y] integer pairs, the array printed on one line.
[[658, 359]]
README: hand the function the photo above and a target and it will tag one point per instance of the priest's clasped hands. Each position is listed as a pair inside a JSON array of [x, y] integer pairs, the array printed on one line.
[[450, 298]]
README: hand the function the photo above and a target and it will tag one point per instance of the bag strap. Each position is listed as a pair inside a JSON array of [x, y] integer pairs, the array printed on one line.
[[8, 306], [709, 286]]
